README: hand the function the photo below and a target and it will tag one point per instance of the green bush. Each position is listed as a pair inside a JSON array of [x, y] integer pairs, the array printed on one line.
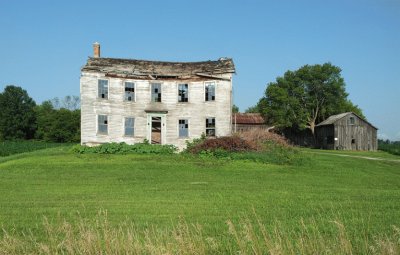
[[123, 148]]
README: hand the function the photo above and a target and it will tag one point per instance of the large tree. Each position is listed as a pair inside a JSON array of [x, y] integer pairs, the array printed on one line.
[[17, 116], [302, 98]]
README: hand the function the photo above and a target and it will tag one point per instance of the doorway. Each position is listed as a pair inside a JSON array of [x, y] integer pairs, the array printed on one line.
[[155, 130]]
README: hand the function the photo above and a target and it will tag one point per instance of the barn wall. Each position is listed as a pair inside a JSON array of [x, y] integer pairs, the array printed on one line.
[[196, 110], [360, 136]]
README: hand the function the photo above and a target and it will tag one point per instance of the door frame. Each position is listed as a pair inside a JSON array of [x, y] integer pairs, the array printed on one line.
[[163, 117]]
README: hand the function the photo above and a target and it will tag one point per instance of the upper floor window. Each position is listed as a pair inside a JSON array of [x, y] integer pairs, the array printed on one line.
[[156, 92], [210, 127], [183, 128], [129, 126], [103, 89], [352, 121], [210, 91], [183, 93], [102, 121], [129, 91]]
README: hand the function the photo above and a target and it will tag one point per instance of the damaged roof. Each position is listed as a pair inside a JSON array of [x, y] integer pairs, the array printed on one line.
[[248, 118], [145, 69], [332, 119]]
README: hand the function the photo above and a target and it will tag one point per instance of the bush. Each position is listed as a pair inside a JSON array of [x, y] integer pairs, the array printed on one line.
[[228, 143], [123, 148], [262, 137]]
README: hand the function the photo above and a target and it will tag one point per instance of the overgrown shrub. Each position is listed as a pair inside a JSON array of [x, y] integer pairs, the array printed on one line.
[[123, 148], [227, 143], [263, 137]]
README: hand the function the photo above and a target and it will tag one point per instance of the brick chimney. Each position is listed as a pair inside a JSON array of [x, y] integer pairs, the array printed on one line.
[[96, 50]]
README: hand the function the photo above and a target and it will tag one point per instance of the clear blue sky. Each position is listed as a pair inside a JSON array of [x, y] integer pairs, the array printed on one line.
[[44, 43]]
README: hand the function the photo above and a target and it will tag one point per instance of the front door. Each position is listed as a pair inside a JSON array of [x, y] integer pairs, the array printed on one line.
[[156, 128]]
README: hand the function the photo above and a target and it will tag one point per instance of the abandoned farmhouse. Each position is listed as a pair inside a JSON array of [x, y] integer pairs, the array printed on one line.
[[127, 100]]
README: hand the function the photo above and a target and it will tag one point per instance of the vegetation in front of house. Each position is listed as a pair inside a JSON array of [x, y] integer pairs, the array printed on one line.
[[178, 204], [123, 148], [8, 148], [392, 147]]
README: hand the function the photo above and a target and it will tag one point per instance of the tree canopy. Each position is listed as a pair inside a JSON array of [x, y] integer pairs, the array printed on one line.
[[17, 116], [302, 98]]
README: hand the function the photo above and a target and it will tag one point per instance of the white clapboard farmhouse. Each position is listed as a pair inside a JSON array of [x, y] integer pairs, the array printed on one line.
[[127, 100]]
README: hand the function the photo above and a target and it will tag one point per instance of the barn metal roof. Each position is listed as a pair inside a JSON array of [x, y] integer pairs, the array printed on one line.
[[145, 69], [248, 118], [332, 119]]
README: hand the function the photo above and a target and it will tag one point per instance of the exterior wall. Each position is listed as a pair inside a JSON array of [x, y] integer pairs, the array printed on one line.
[[364, 135], [196, 110], [246, 127], [358, 136]]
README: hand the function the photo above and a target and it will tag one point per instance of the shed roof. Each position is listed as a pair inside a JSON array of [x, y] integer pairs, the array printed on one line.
[[145, 69], [248, 118], [332, 119]]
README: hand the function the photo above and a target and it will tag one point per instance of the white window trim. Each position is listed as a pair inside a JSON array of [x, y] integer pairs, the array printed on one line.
[[134, 126], [177, 94], [123, 90], [215, 128], [108, 88], [97, 124], [151, 91], [177, 128], [215, 91]]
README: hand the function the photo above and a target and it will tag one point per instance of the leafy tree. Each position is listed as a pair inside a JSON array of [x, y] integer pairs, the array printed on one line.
[[235, 109], [302, 98], [17, 116], [252, 109]]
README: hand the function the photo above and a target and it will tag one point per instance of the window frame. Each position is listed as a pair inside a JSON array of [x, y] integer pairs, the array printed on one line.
[[179, 128], [151, 92], [98, 89], [99, 132], [207, 83], [134, 91], [351, 121], [187, 93], [133, 126], [211, 128]]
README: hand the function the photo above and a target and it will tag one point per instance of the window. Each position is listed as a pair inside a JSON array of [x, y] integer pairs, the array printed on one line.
[[210, 91], [129, 126], [210, 127], [156, 92], [183, 128], [352, 121], [103, 89], [353, 141], [129, 91], [183, 93], [103, 124]]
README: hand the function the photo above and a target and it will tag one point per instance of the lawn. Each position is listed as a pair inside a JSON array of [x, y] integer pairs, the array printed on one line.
[[162, 191]]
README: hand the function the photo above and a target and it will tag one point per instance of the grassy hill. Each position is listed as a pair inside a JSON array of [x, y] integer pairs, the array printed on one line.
[[173, 203]]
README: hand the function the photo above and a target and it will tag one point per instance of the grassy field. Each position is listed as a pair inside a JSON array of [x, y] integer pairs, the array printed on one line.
[[8, 148], [329, 204]]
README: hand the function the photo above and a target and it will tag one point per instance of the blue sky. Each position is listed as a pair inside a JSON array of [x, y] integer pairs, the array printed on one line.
[[44, 43]]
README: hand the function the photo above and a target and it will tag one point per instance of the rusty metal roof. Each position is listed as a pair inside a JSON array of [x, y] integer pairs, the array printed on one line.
[[248, 118], [145, 69]]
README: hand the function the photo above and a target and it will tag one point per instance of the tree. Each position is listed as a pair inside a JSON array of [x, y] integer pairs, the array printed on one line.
[[17, 116], [252, 109], [302, 98], [235, 109]]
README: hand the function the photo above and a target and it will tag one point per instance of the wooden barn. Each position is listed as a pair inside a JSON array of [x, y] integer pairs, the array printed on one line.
[[346, 131], [246, 121]]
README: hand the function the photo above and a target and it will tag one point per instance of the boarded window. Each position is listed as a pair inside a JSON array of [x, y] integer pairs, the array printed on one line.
[[103, 89], [352, 121], [210, 91], [210, 127], [103, 124], [130, 126], [183, 128], [156, 92], [183, 93], [129, 91]]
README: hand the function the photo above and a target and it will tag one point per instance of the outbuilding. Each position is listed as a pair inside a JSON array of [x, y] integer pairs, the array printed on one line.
[[346, 131]]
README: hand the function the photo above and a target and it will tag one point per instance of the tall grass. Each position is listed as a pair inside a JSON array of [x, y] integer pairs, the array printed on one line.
[[8, 148], [247, 236]]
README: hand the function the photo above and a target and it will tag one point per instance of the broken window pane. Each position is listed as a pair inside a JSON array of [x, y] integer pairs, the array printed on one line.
[[183, 93], [183, 128], [103, 89], [129, 91], [210, 127], [129, 126], [102, 124], [156, 92], [210, 91]]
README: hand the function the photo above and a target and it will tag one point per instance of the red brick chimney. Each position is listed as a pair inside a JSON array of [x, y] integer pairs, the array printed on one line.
[[96, 50]]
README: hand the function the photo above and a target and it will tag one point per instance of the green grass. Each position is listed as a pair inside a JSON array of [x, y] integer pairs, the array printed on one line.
[[8, 148], [162, 190]]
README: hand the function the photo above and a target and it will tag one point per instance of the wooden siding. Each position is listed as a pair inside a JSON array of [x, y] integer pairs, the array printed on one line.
[[196, 110]]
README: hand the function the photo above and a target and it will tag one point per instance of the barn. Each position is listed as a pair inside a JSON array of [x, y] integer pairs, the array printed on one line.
[[247, 121], [346, 131]]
